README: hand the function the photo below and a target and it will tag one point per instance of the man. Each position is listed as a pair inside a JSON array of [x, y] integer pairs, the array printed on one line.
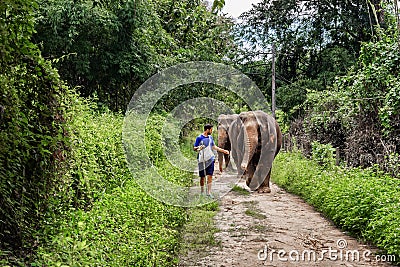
[[204, 144]]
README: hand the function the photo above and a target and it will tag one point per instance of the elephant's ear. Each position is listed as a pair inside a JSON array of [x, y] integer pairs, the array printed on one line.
[[267, 127], [237, 123], [219, 120], [237, 127], [243, 116]]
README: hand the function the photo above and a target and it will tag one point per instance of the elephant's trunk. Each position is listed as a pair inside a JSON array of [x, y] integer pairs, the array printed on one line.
[[220, 161], [251, 142]]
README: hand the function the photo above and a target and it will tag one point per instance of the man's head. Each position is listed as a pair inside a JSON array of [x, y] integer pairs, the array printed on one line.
[[208, 128]]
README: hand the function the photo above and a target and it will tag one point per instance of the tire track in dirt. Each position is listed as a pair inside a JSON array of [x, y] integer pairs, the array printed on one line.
[[253, 228]]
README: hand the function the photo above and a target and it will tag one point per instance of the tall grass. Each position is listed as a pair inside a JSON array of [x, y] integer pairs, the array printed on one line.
[[109, 221], [365, 203]]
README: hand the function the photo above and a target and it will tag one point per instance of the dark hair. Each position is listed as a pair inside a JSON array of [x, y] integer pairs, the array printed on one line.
[[208, 126]]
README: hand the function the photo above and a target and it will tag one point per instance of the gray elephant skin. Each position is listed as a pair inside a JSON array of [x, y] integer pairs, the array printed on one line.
[[224, 121], [255, 139]]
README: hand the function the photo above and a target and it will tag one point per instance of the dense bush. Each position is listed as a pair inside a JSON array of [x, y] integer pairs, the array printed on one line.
[[32, 134], [363, 202], [359, 111], [323, 154], [96, 163], [111, 220], [126, 227]]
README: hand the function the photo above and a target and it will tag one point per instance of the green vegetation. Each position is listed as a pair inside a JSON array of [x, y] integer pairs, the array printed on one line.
[[363, 202], [119, 224], [240, 190], [198, 232], [125, 228], [335, 85], [69, 67], [66, 194], [310, 51], [33, 137], [360, 113], [109, 48], [253, 211], [323, 154]]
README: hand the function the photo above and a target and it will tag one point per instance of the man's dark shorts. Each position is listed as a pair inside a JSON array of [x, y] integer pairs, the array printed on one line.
[[209, 168]]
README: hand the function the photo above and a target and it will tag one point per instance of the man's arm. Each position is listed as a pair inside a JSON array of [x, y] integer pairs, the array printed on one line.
[[220, 149], [197, 146]]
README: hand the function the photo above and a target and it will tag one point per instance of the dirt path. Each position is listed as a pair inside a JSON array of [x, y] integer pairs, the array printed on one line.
[[255, 227]]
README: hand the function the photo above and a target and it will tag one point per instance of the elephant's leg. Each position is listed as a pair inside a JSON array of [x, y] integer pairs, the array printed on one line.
[[265, 188]]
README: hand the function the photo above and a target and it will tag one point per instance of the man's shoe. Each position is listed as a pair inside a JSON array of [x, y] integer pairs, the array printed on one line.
[[210, 196]]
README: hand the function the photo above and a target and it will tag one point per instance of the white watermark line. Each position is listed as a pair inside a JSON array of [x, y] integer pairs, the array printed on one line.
[[333, 254]]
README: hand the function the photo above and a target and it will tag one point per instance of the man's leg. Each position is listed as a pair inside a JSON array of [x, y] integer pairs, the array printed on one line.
[[202, 174], [209, 172], [202, 179], [209, 183]]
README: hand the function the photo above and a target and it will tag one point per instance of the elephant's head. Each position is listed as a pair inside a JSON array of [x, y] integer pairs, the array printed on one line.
[[250, 131], [224, 121]]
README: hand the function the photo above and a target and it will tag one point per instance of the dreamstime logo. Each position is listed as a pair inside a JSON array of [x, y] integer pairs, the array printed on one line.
[[146, 98], [341, 253], [341, 244]]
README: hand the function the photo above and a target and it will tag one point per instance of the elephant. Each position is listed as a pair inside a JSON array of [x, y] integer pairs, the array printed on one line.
[[224, 121], [255, 141]]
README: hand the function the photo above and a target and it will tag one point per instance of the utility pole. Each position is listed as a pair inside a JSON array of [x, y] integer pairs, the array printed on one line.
[[273, 82]]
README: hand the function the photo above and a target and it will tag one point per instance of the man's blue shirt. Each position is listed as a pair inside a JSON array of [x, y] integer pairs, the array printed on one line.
[[202, 140]]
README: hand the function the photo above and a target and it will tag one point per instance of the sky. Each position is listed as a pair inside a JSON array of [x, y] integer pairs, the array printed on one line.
[[236, 7]]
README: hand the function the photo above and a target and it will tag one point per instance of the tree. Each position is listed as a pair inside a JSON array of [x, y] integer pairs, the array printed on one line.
[[316, 40], [32, 127], [109, 48]]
